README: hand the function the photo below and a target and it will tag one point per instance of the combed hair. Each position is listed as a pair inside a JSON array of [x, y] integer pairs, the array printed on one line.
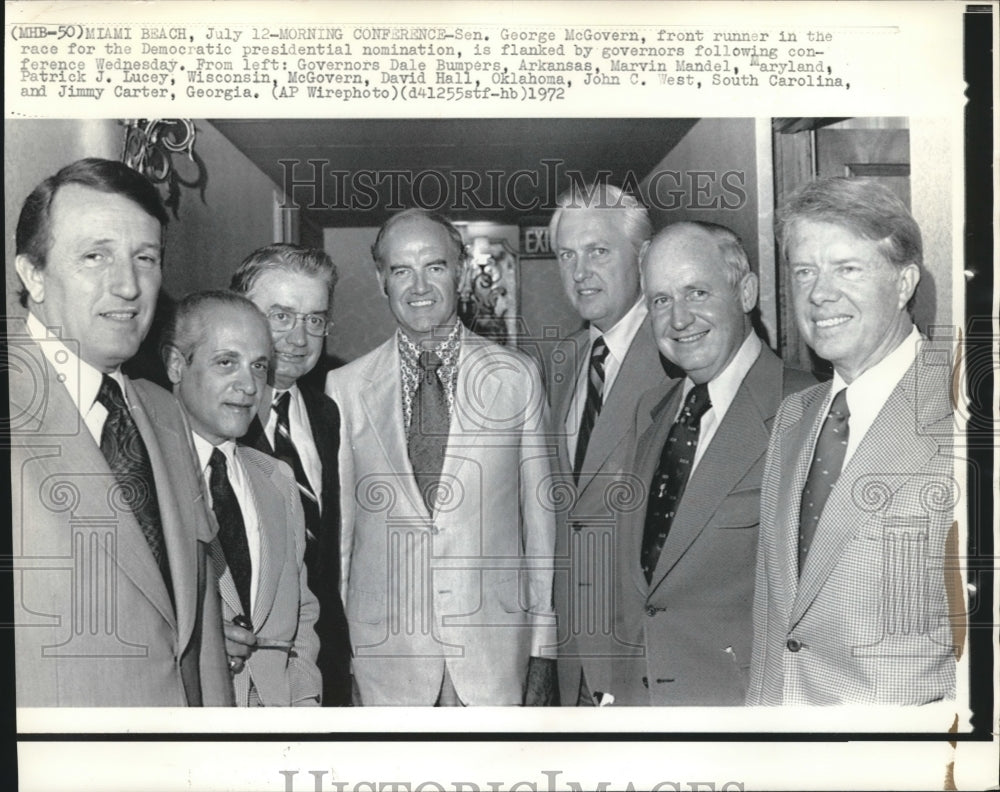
[[33, 236], [635, 216], [862, 206], [185, 328], [285, 257], [453, 233], [730, 247]]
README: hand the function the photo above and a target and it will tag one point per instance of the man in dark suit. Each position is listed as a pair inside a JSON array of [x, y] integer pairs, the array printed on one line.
[[594, 379], [216, 350], [686, 575], [117, 605], [852, 600], [299, 424]]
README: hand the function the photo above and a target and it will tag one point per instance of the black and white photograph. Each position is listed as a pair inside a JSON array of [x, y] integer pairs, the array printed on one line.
[[447, 365]]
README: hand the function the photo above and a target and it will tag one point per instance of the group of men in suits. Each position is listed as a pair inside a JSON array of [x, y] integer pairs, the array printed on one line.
[[406, 537]]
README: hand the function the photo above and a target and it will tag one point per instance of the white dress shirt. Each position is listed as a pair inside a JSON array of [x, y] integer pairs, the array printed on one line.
[[867, 395], [618, 340], [302, 438], [721, 392], [244, 496], [82, 380]]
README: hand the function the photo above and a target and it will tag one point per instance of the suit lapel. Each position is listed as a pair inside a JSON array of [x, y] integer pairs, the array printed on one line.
[[647, 457], [271, 527], [640, 371], [890, 437], [382, 402], [738, 443]]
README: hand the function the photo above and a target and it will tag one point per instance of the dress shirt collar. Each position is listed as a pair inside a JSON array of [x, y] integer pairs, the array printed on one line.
[[722, 390], [619, 337], [869, 392], [205, 448], [82, 380]]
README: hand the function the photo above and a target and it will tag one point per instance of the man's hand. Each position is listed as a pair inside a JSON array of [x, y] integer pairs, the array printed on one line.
[[240, 644], [540, 689]]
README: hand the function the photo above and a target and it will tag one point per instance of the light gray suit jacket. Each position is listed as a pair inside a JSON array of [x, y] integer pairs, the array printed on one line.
[[469, 585], [587, 543], [868, 621], [94, 624], [284, 608]]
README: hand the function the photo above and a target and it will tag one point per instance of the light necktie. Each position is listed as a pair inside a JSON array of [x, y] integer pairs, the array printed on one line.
[[828, 459], [592, 407], [427, 437], [126, 453], [232, 530], [671, 476], [284, 449]]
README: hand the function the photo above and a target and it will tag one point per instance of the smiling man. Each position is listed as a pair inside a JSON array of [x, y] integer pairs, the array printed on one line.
[[217, 348], [293, 286], [851, 603], [686, 575], [594, 379], [115, 607], [447, 543]]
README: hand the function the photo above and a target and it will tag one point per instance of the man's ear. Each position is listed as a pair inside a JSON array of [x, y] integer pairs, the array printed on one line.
[[909, 277], [748, 292], [175, 363], [32, 277], [380, 276]]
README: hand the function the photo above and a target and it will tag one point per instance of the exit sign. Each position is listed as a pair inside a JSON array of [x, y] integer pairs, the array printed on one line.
[[535, 242]]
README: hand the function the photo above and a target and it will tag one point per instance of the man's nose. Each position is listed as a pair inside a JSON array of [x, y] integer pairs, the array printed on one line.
[[124, 283]]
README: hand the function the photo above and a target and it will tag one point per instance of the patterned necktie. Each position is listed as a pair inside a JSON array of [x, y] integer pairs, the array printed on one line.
[[126, 453], [592, 407], [828, 459], [671, 476], [284, 449], [428, 433], [232, 530]]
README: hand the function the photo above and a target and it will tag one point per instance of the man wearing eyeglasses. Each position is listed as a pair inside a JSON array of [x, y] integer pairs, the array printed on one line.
[[294, 286]]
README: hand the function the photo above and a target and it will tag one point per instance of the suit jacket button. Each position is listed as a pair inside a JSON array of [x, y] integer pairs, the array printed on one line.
[[793, 644], [650, 610], [645, 682], [577, 526], [435, 530]]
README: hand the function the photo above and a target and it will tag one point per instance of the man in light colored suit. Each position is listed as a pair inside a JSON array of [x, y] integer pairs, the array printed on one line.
[[686, 573], [447, 536], [216, 349], [594, 379], [299, 424], [116, 603], [851, 603]]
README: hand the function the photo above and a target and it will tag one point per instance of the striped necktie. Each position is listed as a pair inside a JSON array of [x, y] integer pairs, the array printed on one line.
[[284, 449], [592, 407]]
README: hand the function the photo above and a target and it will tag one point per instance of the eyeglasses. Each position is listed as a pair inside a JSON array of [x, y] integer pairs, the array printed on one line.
[[284, 321]]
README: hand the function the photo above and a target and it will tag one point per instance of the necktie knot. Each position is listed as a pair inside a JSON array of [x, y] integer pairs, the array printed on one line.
[[598, 352], [110, 394], [429, 363], [696, 404], [217, 462], [839, 408], [280, 405]]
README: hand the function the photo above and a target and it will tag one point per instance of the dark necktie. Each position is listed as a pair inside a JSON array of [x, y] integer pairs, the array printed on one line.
[[428, 433], [284, 449], [592, 407], [671, 476], [126, 453], [232, 530], [828, 459]]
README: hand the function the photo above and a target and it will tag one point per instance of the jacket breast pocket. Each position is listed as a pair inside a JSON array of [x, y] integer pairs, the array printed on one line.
[[739, 509]]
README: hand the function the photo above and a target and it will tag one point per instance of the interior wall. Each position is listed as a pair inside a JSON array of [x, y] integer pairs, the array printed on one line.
[[34, 150]]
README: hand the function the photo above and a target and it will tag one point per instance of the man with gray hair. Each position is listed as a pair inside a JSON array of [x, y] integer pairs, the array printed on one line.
[[594, 379], [686, 572], [851, 601]]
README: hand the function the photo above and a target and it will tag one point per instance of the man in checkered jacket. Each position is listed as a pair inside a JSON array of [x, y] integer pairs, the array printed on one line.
[[851, 603]]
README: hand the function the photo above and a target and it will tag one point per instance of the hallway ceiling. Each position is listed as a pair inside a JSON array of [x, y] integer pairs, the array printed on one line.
[[455, 163]]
